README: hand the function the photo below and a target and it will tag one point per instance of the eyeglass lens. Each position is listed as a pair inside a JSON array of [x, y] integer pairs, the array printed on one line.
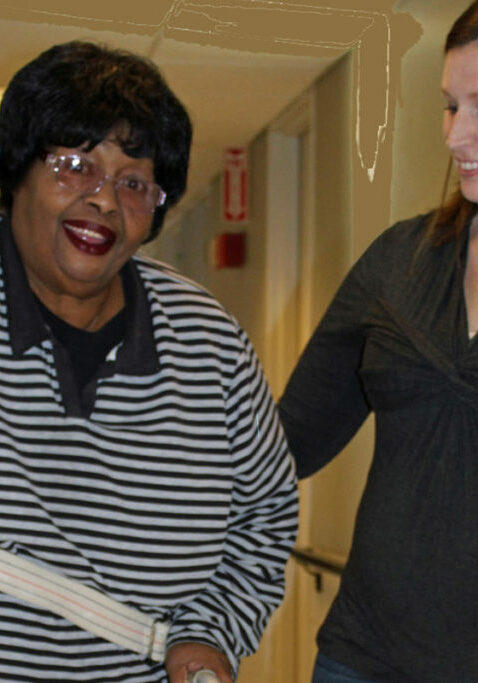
[[88, 178]]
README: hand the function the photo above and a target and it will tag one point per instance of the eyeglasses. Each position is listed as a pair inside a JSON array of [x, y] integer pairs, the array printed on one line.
[[80, 173]]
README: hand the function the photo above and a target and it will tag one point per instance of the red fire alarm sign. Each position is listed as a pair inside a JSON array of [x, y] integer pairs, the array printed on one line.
[[234, 194]]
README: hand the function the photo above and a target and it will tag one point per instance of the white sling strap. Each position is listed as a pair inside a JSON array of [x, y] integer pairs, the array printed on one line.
[[86, 607]]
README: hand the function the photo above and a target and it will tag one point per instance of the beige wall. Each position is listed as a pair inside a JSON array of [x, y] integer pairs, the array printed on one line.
[[187, 246]]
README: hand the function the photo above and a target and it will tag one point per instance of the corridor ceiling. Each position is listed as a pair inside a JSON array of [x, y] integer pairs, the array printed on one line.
[[235, 65]]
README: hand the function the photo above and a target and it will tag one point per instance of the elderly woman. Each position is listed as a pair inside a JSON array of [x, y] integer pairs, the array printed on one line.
[[400, 338], [147, 497]]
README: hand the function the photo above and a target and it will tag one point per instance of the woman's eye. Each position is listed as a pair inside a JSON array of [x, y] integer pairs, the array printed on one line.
[[77, 165], [134, 184], [452, 108]]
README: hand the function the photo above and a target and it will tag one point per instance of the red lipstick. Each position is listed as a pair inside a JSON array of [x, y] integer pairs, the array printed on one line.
[[89, 237]]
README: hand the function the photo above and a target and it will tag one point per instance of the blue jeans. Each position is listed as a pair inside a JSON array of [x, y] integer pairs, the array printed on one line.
[[329, 671]]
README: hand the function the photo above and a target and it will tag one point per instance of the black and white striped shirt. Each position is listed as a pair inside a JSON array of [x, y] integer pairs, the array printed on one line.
[[169, 486]]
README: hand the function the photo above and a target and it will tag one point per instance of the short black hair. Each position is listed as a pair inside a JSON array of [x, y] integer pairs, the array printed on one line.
[[79, 92]]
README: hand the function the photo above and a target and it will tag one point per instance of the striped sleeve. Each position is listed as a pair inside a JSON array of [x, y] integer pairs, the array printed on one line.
[[249, 582]]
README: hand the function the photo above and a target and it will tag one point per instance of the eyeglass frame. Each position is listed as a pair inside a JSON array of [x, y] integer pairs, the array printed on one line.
[[50, 159]]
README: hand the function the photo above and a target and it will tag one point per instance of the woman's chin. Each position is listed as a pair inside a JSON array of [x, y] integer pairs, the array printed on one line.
[[87, 278], [469, 189]]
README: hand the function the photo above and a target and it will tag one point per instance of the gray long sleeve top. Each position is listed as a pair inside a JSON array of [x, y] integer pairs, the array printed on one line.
[[395, 340]]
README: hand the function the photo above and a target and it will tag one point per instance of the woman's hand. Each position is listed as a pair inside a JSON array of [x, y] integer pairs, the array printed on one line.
[[185, 658]]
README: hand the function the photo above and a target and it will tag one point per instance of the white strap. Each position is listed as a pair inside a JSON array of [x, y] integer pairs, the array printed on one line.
[[203, 676], [86, 607]]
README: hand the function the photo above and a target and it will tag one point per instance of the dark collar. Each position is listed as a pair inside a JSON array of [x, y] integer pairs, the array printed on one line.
[[137, 354], [25, 322]]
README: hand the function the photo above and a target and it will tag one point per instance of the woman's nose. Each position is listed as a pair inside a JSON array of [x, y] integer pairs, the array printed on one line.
[[461, 129], [106, 197]]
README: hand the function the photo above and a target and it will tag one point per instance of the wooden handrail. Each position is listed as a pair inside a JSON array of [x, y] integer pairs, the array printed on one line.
[[316, 560]]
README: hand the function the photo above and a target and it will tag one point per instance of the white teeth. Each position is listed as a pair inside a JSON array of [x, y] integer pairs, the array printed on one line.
[[468, 165], [86, 233]]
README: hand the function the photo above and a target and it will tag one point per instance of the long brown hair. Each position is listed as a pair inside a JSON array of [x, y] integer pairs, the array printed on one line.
[[453, 214]]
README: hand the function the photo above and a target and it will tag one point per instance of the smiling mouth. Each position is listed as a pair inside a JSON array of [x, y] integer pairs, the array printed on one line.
[[88, 237], [467, 165]]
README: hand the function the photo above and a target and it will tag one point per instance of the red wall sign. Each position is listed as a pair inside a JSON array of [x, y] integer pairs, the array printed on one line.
[[235, 181], [229, 250]]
